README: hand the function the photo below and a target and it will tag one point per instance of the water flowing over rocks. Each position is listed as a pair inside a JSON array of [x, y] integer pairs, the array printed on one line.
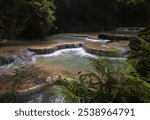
[[54, 49], [27, 57], [9, 64], [24, 57], [27, 95], [4, 60], [79, 45]]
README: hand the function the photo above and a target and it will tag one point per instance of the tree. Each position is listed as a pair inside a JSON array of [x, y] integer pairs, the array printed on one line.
[[84, 15], [98, 15], [134, 13], [26, 18]]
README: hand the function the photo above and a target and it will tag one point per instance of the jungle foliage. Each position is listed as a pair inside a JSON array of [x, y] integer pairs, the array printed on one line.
[[111, 83], [96, 15], [35, 18], [26, 18], [106, 85], [140, 53]]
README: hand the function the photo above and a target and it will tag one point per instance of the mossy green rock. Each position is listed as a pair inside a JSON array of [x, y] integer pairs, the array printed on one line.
[[145, 34], [135, 44], [140, 52]]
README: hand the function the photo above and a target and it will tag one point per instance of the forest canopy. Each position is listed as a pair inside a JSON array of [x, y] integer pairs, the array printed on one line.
[[39, 18], [96, 15], [26, 18]]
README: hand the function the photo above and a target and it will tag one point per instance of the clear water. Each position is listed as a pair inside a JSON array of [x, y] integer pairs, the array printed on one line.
[[71, 38], [73, 60]]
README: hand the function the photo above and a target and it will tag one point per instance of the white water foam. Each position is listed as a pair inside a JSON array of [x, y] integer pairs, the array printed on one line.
[[97, 40], [78, 51], [6, 66]]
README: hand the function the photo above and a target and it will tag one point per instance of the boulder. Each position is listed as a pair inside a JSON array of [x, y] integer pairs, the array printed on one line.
[[135, 44], [104, 36], [145, 34]]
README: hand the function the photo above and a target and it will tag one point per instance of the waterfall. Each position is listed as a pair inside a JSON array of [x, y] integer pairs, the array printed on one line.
[[26, 56], [23, 58], [54, 49], [6, 60], [92, 51]]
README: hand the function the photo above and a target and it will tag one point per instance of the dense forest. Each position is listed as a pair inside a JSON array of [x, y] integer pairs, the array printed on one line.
[[97, 15], [39, 18]]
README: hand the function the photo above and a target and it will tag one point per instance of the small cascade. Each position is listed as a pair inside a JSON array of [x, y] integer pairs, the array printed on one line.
[[54, 49], [24, 96], [75, 51], [6, 60], [24, 57], [88, 50]]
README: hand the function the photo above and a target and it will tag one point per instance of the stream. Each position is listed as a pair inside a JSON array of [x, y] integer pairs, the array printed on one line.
[[67, 57]]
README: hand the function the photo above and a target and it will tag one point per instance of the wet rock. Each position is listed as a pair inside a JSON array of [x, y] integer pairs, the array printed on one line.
[[23, 58], [104, 36], [4, 60], [113, 37], [135, 44], [39, 81], [54, 49], [103, 53], [49, 79], [52, 79]]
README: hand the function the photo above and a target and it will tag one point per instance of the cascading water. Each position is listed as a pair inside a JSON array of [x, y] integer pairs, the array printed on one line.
[[6, 60], [75, 59], [69, 57], [24, 59], [27, 56]]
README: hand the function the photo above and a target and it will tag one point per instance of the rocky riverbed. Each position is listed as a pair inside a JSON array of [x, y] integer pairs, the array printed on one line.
[[21, 74]]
